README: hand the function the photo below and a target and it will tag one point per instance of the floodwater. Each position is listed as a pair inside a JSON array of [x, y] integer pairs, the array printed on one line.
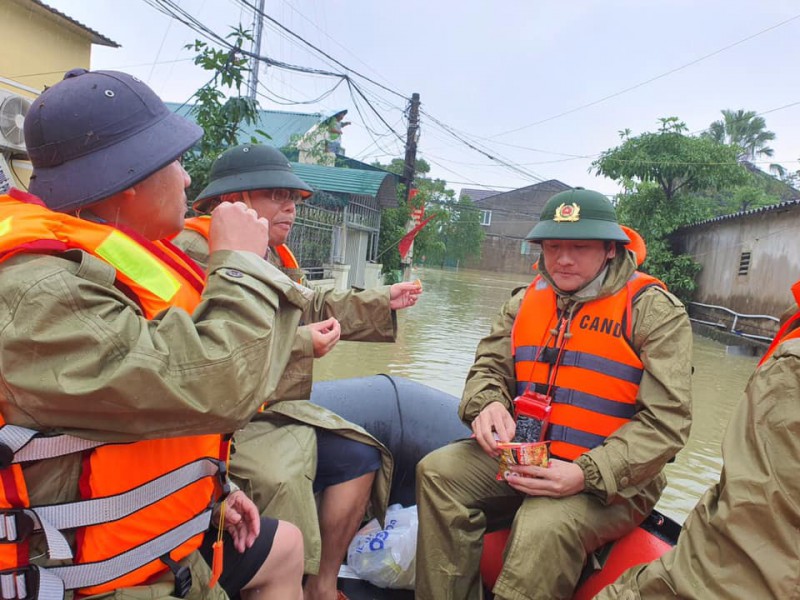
[[436, 346]]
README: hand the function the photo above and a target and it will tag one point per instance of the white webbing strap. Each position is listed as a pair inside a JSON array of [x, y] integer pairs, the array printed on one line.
[[28, 444], [54, 519], [90, 574], [17, 585]]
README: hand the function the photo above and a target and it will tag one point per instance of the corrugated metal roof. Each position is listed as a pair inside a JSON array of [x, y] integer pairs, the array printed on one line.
[[347, 181], [281, 126], [97, 38], [744, 213]]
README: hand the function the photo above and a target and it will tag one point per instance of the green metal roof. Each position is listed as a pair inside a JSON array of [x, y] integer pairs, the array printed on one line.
[[378, 184], [281, 126]]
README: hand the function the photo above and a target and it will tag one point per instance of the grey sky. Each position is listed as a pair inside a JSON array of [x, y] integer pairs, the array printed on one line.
[[486, 68]]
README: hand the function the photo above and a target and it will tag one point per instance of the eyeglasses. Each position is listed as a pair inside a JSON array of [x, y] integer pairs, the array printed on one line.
[[284, 196]]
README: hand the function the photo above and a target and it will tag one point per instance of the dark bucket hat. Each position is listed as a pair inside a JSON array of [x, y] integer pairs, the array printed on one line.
[[246, 168], [96, 133], [578, 214]]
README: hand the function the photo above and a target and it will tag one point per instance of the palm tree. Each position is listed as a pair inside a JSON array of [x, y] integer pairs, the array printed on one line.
[[743, 128]]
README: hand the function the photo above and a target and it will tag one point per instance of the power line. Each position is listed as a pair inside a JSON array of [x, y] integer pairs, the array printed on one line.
[[652, 79]]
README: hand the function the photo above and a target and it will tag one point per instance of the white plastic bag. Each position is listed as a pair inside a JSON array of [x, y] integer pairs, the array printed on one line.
[[385, 557]]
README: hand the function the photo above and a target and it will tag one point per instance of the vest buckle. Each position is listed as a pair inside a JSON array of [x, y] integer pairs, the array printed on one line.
[[20, 584], [182, 575], [16, 525]]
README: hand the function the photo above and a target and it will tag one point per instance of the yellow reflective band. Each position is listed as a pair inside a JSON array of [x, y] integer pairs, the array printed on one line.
[[143, 268], [5, 226]]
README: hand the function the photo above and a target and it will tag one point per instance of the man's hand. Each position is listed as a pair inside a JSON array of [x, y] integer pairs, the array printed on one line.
[[236, 227], [494, 418], [560, 478], [242, 520], [324, 335], [403, 295]]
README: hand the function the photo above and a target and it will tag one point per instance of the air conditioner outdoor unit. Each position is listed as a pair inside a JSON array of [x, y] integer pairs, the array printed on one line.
[[6, 180], [13, 109]]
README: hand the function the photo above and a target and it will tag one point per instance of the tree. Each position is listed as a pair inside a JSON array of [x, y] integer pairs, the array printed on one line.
[[670, 179], [674, 161], [220, 117], [744, 129], [453, 234]]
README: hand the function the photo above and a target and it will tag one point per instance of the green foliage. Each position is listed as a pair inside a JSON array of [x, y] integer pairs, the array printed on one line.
[[743, 129], [221, 117], [646, 210], [671, 179], [454, 233], [673, 160]]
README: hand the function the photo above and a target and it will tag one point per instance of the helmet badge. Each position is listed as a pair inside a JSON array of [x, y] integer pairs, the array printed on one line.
[[567, 213]]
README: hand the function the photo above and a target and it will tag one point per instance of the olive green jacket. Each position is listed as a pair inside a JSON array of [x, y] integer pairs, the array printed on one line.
[[363, 316], [635, 455], [741, 541], [79, 357]]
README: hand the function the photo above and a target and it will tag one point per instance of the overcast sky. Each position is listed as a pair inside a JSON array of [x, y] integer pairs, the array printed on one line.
[[526, 81]]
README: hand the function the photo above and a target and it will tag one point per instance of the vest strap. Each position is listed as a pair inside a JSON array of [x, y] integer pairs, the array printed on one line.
[[97, 573], [30, 583], [53, 519], [28, 445]]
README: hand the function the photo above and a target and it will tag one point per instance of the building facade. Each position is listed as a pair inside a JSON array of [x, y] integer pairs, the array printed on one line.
[[39, 45], [507, 218], [749, 261]]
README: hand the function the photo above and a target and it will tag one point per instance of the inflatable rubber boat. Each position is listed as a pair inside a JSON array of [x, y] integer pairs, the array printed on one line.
[[411, 420]]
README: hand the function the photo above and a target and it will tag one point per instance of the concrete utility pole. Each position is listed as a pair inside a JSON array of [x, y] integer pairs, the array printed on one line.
[[258, 26], [412, 136], [409, 168]]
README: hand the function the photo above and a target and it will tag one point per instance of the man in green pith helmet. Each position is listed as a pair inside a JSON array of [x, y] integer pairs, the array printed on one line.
[[602, 350], [294, 449]]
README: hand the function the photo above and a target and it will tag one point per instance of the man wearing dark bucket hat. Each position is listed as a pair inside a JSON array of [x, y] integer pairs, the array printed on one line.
[[123, 366], [319, 452], [594, 357]]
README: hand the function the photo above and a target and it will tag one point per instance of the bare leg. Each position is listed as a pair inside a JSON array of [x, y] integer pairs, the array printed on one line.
[[281, 575], [340, 513]]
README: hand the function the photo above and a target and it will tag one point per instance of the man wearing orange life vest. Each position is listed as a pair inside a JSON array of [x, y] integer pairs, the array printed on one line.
[[320, 453], [741, 539], [607, 348], [114, 345]]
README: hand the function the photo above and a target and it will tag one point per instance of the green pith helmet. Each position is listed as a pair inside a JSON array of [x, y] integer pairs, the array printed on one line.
[[246, 168], [578, 214]]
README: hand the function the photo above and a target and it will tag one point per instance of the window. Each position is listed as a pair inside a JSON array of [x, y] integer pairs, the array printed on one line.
[[744, 263], [486, 217]]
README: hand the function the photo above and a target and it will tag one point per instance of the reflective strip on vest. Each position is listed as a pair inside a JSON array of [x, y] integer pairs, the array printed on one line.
[[582, 400], [142, 268], [590, 362], [561, 433]]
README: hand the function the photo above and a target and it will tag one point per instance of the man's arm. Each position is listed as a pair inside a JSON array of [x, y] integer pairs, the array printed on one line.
[[78, 355], [364, 316], [638, 451], [491, 377]]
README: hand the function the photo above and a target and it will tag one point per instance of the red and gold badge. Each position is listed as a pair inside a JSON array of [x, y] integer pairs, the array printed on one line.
[[568, 213]]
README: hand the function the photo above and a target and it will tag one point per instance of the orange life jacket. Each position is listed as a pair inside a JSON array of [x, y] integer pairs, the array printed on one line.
[[790, 329], [143, 505], [202, 225], [585, 364]]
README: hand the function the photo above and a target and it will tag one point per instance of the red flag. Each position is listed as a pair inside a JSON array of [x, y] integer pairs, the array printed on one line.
[[405, 243]]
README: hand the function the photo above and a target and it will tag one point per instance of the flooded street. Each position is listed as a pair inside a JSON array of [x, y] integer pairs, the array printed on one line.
[[436, 346]]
